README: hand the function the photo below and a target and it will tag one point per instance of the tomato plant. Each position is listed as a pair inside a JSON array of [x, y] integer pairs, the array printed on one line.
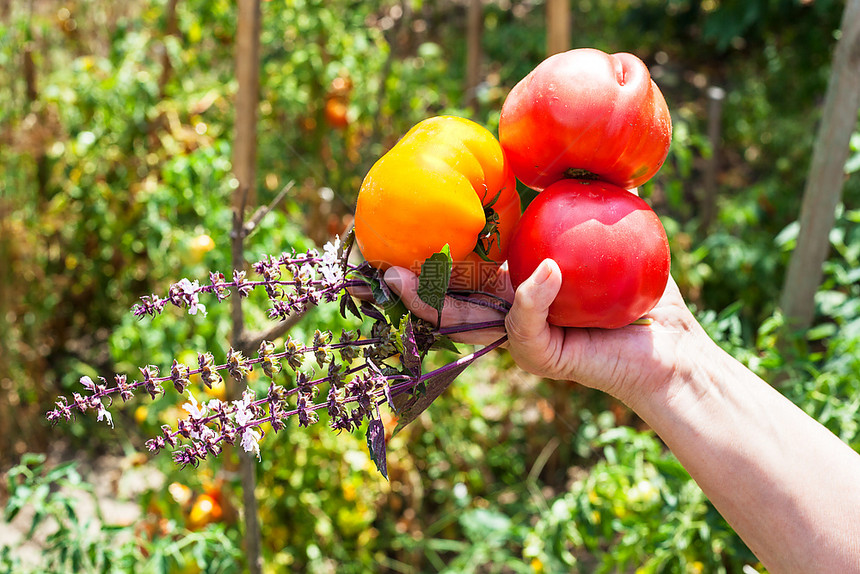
[[610, 246], [586, 114], [445, 182]]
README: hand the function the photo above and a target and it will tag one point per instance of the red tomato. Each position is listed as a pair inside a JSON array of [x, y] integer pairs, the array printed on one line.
[[610, 246], [586, 114]]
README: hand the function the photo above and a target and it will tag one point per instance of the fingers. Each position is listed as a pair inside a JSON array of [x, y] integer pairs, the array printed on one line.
[[526, 322], [405, 283], [454, 312], [500, 283], [361, 292]]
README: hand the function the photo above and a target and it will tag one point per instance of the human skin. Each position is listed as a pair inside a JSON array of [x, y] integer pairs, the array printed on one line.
[[788, 486]]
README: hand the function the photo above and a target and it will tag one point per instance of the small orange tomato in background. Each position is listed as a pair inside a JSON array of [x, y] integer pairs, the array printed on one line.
[[337, 102], [336, 112], [205, 510]]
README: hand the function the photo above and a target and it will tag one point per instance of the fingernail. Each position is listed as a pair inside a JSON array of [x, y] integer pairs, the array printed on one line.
[[542, 272], [393, 279]]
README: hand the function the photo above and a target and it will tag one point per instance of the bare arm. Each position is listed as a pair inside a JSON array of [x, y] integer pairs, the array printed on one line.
[[789, 487]]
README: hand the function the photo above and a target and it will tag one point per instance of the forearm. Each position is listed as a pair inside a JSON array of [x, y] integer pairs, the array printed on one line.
[[789, 487]]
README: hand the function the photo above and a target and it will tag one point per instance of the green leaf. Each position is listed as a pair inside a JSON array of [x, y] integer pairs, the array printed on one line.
[[445, 343], [434, 279], [385, 299], [395, 312]]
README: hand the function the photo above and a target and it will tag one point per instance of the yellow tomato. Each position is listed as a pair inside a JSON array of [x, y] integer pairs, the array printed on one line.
[[446, 182]]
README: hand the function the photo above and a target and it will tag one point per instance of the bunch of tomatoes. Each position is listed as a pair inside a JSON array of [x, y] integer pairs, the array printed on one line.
[[584, 129]]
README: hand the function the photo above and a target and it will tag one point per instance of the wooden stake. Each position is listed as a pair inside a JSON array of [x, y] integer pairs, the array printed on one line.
[[823, 189], [474, 31], [557, 26], [244, 169]]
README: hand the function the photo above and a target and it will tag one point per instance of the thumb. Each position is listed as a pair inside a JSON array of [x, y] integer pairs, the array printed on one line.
[[526, 321]]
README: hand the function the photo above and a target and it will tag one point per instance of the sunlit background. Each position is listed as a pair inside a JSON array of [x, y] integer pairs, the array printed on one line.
[[116, 136]]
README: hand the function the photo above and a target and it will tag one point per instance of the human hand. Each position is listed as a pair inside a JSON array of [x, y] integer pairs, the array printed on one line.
[[457, 311], [623, 362]]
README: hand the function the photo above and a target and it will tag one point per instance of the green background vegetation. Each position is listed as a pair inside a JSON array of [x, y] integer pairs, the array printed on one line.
[[116, 128]]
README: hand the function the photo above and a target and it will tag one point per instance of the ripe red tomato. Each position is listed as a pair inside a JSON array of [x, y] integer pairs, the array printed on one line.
[[610, 246], [586, 114]]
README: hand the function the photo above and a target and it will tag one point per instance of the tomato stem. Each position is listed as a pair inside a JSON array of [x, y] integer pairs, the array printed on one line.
[[489, 234], [488, 300], [578, 173]]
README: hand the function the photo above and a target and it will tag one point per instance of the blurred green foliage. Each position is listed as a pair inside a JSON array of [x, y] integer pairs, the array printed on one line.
[[116, 125], [55, 499]]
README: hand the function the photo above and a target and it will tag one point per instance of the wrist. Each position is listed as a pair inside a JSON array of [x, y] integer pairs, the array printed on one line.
[[691, 369]]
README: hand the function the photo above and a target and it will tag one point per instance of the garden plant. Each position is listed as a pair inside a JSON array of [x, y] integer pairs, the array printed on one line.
[[380, 444]]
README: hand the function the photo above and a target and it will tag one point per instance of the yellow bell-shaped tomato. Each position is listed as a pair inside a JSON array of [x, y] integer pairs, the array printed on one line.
[[446, 182]]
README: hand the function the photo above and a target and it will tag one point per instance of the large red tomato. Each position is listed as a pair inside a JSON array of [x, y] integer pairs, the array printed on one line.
[[610, 246], [586, 114]]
